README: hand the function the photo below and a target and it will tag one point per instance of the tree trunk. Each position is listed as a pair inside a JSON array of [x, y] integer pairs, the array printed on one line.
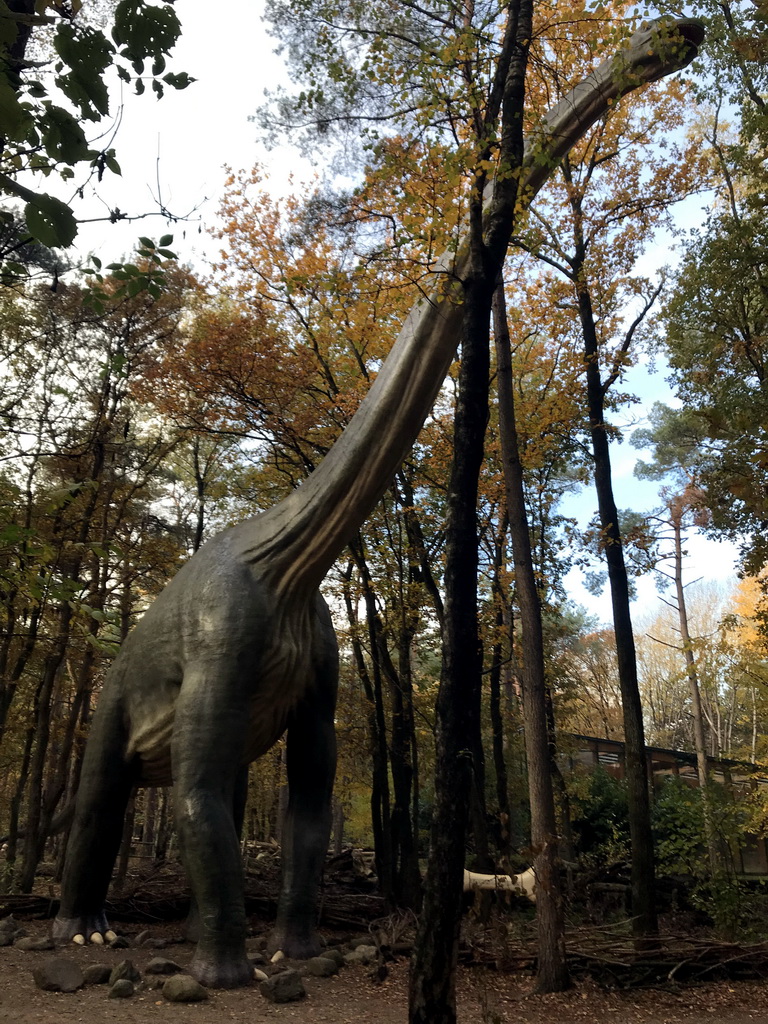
[[123, 856], [433, 968], [432, 991], [677, 509], [380, 797], [552, 970], [644, 920]]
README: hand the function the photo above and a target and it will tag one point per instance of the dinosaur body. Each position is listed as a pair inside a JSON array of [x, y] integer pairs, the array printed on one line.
[[240, 647]]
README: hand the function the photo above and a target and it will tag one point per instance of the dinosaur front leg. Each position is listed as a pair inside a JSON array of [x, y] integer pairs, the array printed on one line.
[[306, 830], [209, 736], [97, 829]]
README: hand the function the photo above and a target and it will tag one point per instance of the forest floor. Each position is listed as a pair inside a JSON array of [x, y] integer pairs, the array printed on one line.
[[494, 984], [485, 996]]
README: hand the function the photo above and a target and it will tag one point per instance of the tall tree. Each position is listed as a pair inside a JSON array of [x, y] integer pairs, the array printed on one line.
[[591, 228], [551, 969]]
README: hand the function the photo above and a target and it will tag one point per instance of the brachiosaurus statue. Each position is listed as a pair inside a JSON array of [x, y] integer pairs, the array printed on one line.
[[240, 647]]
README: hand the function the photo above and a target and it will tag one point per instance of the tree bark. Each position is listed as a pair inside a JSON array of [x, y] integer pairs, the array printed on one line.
[[432, 991], [677, 509], [644, 920], [551, 970]]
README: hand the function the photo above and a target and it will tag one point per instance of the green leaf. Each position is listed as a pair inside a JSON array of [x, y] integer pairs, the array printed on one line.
[[15, 118], [50, 221], [63, 137], [166, 240], [178, 81], [147, 242]]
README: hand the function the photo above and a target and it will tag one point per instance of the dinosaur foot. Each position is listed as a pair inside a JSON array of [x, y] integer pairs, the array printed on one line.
[[296, 946], [234, 972], [83, 929]]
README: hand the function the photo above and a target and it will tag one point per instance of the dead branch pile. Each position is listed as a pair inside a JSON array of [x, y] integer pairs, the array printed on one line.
[[160, 893], [611, 959]]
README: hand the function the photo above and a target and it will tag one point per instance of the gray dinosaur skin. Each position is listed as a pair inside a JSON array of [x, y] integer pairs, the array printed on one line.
[[240, 647], [209, 680]]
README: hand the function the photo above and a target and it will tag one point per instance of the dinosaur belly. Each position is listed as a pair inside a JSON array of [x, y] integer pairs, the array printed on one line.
[[282, 679]]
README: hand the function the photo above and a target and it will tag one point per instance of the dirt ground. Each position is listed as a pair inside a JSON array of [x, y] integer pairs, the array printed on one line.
[[486, 996]]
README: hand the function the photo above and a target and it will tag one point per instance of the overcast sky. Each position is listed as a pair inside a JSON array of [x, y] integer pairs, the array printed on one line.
[[177, 147]]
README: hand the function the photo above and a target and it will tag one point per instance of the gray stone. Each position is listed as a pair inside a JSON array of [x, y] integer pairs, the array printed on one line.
[[120, 942], [335, 954], [286, 987], [156, 944], [321, 967], [28, 943], [256, 944], [142, 937], [361, 955], [182, 988], [58, 975], [159, 965], [10, 930], [97, 974], [125, 969], [122, 989]]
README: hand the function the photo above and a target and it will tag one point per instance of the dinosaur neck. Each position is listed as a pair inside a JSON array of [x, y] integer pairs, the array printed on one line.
[[298, 540]]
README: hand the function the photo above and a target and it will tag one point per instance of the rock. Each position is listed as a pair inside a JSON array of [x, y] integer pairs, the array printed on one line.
[[360, 940], [122, 989], [119, 942], [256, 958], [182, 988], [361, 955], [159, 965], [97, 974], [10, 930], [58, 975], [321, 967], [125, 969], [271, 969], [142, 937], [332, 953], [256, 944], [156, 943], [29, 943], [285, 987]]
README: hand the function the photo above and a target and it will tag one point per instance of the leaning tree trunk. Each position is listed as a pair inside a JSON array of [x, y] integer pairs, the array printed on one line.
[[552, 969]]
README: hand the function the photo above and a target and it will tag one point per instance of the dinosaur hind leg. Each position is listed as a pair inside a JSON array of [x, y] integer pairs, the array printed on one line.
[[209, 740], [192, 924], [105, 786]]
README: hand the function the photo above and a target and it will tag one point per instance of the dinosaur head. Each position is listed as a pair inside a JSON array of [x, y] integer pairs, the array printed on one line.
[[662, 46]]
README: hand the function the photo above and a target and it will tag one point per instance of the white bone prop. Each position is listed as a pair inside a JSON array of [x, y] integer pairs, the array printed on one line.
[[524, 883]]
